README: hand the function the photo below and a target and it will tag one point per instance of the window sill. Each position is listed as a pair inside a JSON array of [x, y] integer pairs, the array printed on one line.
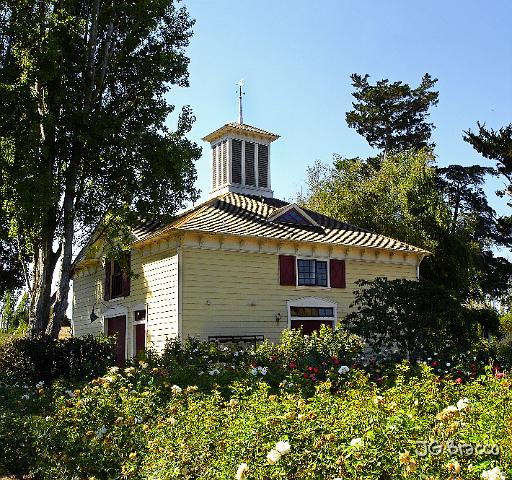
[[311, 287]]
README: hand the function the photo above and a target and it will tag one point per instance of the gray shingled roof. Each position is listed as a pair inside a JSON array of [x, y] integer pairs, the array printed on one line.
[[247, 215]]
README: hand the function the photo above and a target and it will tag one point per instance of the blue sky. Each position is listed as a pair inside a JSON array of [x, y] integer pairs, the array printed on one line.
[[297, 56]]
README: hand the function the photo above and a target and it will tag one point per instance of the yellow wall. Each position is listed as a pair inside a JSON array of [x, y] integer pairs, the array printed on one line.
[[154, 286], [238, 293], [199, 285]]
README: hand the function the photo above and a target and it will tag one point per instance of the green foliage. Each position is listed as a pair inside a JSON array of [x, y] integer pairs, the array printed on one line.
[[410, 319], [392, 116], [14, 317], [398, 199], [84, 89], [506, 323], [312, 349], [134, 423], [494, 145], [45, 359]]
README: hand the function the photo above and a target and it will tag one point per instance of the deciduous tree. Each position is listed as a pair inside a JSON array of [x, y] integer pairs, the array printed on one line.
[[83, 88]]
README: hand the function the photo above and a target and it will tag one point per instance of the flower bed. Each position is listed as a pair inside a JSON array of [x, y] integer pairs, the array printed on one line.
[[280, 413]]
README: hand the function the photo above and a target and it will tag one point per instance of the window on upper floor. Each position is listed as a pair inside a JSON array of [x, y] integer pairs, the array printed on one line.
[[312, 272], [117, 278]]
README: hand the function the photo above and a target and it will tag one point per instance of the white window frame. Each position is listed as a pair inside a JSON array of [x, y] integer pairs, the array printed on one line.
[[314, 302], [326, 260], [138, 308]]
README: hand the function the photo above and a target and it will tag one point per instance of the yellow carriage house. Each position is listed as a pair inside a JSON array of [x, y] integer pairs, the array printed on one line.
[[242, 266]]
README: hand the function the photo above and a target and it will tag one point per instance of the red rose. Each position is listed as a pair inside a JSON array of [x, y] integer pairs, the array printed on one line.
[[435, 363], [305, 375], [292, 365], [499, 375], [310, 369], [315, 369], [273, 358], [458, 380]]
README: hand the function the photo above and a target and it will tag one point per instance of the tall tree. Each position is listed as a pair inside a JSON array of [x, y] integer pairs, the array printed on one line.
[[494, 145], [475, 221], [392, 116], [83, 86]]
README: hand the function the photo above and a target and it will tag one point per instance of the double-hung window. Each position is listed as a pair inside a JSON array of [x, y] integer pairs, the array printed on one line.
[[312, 272]]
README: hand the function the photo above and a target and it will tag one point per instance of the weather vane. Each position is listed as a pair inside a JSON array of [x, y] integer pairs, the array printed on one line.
[[240, 84]]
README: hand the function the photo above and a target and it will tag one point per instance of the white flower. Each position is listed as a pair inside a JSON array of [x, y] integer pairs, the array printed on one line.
[[463, 403], [494, 474], [263, 370], [448, 364], [343, 369], [215, 371], [39, 384], [48, 419], [429, 359], [108, 379], [69, 393], [138, 419], [100, 432], [356, 442], [176, 389], [273, 456], [25, 397], [113, 369], [241, 473], [254, 371], [283, 447], [235, 354]]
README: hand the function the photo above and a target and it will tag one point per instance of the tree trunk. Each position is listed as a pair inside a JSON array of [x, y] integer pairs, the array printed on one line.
[[40, 296]]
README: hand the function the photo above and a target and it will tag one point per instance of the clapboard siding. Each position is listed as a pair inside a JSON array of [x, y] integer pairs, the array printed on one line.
[[155, 284], [238, 293]]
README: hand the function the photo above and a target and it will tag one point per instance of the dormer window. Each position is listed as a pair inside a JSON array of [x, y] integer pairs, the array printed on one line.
[[292, 213]]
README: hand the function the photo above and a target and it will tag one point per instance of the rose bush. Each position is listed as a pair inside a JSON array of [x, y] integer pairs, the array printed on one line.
[[198, 412]]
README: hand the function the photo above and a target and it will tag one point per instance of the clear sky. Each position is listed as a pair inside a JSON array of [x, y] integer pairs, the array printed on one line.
[[297, 56]]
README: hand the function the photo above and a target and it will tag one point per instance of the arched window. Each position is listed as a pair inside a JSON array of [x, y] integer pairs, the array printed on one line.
[[311, 313]]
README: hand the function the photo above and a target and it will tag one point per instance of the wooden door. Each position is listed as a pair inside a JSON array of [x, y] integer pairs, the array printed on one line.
[[140, 338], [117, 326]]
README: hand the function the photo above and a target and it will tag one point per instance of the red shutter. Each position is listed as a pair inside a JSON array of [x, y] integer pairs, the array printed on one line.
[[126, 276], [108, 274], [287, 270], [337, 272]]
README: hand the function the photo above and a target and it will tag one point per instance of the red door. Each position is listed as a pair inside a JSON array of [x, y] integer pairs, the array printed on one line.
[[309, 326], [117, 326], [140, 338]]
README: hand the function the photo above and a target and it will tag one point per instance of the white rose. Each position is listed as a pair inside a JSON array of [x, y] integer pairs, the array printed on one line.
[[283, 447], [241, 473], [356, 442], [273, 456]]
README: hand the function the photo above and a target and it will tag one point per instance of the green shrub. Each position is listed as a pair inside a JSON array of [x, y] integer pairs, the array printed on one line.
[[402, 319], [45, 359], [169, 416]]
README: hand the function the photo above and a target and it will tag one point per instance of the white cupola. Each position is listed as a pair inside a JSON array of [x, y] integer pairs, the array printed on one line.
[[241, 160]]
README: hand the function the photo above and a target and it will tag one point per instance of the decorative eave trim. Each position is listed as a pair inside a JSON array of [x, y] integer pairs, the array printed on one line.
[[230, 129]]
